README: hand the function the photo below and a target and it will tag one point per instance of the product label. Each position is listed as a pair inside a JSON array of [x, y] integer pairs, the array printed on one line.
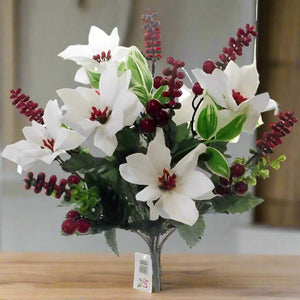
[[142, 272]]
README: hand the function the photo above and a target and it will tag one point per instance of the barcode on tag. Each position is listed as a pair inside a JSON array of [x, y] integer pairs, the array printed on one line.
[[143, 266], [142, 272]]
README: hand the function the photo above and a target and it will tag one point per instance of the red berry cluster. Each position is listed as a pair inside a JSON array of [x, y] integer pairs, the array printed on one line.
[[173, 83], [152, 36], [197, 89], [26, 106], [226, 186], [235, 47], [40, 183], [279, 130], [75, 222], [157, 116]]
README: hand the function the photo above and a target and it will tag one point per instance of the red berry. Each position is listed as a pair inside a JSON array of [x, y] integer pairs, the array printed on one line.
[[223, 181], [147, 125], [162, 118], [222, 190], [208, 66], [73, 179], [241, 187], [72, 214], [153, 107], [69, 226], [156, 82], [237, 170], [197, 89], [83, 226]]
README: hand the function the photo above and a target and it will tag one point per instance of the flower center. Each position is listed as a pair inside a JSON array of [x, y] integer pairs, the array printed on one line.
[[238, 97], [49, 143], [102, 57], [100, 116], [167, 181]]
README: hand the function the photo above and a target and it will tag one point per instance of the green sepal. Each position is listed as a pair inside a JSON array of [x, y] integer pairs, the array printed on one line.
[[207, 122], [191, 234], [216, 162], [94, 79], [232, 129], [110, 236]]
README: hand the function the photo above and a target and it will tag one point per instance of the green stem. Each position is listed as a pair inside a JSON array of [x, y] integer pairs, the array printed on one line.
[[155, 252]]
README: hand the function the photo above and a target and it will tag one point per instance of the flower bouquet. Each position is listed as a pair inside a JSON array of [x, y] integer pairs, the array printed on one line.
[[165, 164]]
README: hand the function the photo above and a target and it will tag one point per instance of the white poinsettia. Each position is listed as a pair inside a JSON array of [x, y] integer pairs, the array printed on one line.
[[169, 192], [234, 90], [101, 50], [105, 111], [43, 142]]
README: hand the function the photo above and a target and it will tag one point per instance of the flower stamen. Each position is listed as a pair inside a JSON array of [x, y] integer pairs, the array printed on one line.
[[49, 143], [100, 116], [167, 181], [102, 57], [238, 97]]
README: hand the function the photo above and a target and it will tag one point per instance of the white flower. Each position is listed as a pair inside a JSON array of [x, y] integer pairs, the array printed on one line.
[[234, 90], [43, 142], [100, 51], [106, 110], [173, 188]]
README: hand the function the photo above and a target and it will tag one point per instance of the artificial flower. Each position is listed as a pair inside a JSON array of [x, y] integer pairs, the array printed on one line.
[[101, 50], [105, 111], [43, 142], [169, 192], [234, 90]]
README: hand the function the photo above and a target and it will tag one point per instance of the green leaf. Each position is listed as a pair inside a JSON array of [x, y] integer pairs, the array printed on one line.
[[207, 122], [192, 234], [110, 236], [86, 163], [216, 162], [251, 180], [94, 79], [140, 74], [275, 164], [182, 132], [141, 93], [235, 203], [232, 129], [157, 95]]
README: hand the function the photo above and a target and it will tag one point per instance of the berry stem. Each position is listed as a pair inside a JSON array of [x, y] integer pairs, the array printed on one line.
[[195, 107]]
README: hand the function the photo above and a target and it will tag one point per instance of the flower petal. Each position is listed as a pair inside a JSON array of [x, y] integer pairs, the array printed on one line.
[[52, 118], [177, 207], [159, 154], [68, 139], [149, 193], [154, 213], [189, 161], [106, 143], [139, 170], [194, 184], [81, 76], [75, 51]]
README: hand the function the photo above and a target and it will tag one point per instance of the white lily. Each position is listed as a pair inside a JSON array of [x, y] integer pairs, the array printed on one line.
[[43, 142], [234, 90], [170, 191], [106, 110], [101, 50]]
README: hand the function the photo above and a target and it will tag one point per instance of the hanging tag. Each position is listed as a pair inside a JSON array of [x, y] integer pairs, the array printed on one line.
[[142, 272]]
